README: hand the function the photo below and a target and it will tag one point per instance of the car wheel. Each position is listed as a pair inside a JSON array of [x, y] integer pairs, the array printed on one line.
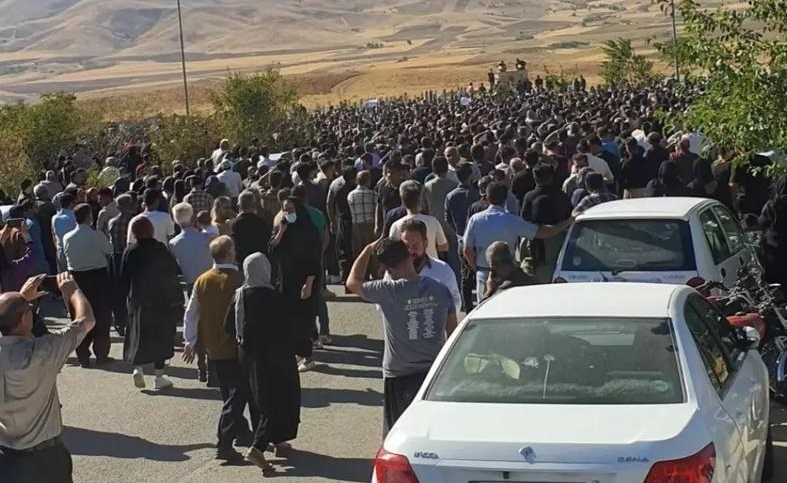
[[767, 465]]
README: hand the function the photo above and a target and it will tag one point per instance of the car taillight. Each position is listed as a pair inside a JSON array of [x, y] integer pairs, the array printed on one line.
[[559, 280], [393, 468], [694, 469], [695, 282]]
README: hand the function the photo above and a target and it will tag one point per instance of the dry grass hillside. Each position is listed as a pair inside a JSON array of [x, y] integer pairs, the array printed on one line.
[[339, 49]]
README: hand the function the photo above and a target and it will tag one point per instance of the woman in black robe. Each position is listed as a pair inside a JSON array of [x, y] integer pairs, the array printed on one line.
[[266, 346], [668, 182], [149, 282], [296, 250], [706, 185]]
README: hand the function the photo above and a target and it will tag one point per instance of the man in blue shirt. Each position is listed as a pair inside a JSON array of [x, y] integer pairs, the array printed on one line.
[[191, 247], [457, 205], [62, 223], [608, 141], [496, 224]]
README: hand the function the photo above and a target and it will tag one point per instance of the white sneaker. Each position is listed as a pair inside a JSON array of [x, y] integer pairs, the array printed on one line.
[[162, 383], [139, 378], [306, 365]]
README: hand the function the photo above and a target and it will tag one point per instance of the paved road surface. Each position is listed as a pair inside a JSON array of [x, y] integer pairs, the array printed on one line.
[[119, 434]]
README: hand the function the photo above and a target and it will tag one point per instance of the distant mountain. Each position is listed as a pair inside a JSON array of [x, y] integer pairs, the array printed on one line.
[[103, 45], [88, 28]]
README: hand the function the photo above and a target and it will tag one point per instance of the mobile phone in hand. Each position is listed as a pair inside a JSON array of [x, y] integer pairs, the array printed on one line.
[[49, 284], [15, 222]]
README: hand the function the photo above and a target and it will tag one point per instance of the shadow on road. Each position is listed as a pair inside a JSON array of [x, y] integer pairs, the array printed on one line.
[[121, 367], [344, 298], [336, 371], [321, 397], [356, 358], [306, 464], [88, 442], [779, 434], [359, 341], [204, 393]]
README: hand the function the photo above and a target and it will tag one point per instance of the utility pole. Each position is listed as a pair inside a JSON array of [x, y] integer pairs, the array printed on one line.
[[183, 61], [674, 40]]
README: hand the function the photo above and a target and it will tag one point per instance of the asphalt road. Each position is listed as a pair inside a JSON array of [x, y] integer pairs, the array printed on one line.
[[120, 434]]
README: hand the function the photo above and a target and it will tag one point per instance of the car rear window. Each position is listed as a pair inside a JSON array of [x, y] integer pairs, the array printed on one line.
[[561, 361], [629, 245]]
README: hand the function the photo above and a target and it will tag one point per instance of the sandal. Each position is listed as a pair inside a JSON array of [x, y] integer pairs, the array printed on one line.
[[257, 458]]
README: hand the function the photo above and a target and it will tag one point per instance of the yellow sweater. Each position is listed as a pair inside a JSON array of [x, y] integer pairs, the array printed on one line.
[[214, 290]]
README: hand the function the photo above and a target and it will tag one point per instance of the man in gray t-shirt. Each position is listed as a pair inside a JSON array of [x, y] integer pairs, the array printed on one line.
[[418, 314], [414, 316]]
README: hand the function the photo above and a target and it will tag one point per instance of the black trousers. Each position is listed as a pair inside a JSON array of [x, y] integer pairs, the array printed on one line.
[[119, 307], [398, 393], [51, 465], [233, 381], [330, 258], [468, 283], [96, 287]]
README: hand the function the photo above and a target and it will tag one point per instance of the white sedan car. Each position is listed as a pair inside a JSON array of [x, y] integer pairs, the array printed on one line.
[[669, 240], [588, 383]]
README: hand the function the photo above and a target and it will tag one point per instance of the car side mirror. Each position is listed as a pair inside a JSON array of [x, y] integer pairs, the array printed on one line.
[[751, 339]]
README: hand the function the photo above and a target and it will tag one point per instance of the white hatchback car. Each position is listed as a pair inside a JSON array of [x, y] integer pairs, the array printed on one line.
[[657, 240], [590, 383]]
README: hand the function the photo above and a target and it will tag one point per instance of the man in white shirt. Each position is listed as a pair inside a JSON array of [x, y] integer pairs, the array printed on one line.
[[218, 154], [231, 179], [410, 192], [413, 234], [600, 166], [162, 223], [595, 163]]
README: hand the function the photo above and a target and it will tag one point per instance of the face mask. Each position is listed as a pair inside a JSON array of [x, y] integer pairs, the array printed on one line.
[[291, 217]]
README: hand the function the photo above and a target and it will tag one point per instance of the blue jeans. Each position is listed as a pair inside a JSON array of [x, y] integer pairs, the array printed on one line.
[[481, 276]]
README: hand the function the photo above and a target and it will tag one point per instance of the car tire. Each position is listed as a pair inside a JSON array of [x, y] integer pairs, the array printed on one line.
[[767, 464]]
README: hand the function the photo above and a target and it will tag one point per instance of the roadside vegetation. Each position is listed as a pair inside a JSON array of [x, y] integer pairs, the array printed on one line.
[[738, 56]]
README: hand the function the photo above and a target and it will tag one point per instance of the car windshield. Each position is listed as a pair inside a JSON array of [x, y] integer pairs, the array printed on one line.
[[629, 245], [561, 361]]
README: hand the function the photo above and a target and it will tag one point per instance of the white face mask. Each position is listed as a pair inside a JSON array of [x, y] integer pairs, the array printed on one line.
[[291, 217]]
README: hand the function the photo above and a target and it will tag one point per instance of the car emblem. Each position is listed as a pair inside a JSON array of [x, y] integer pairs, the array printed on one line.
[[528, 453]]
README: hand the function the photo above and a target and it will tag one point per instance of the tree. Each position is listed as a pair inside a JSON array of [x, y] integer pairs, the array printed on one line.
[[739, 58], [32, 135], [253, 105], [186, 139], [623, 65]]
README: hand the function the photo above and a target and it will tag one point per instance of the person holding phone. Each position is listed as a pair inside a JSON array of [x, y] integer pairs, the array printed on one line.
[[30, 419], [16, 262]]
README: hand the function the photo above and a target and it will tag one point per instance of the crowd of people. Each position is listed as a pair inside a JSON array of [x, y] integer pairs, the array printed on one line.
[[424, 207]]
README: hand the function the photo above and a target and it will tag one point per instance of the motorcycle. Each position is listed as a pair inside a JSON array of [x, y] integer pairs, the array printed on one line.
[[752, 303]]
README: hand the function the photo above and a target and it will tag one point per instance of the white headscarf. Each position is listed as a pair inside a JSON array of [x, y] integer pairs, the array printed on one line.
[[257, 272]]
